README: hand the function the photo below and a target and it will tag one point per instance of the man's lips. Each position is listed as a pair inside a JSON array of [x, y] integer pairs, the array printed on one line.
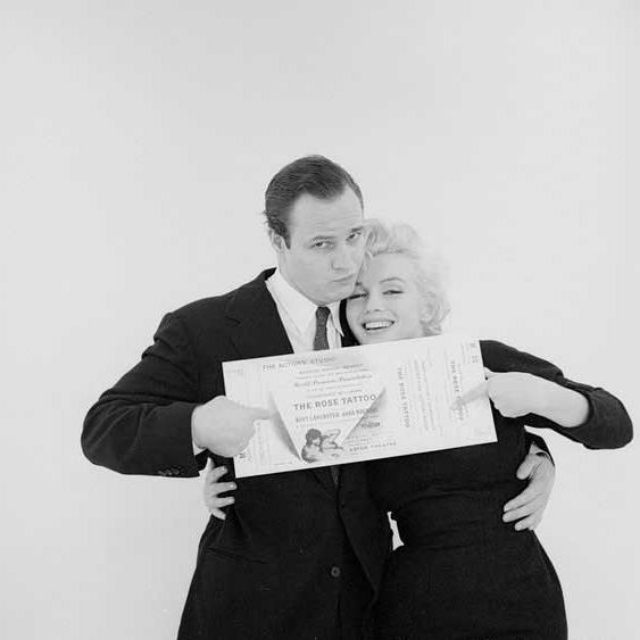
[[346, 279]]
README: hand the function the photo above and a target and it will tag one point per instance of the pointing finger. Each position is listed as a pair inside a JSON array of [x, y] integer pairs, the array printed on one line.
[[473, 394], [261, 414]]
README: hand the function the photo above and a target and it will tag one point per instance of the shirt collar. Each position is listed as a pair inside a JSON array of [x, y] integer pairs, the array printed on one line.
[[300, 309]]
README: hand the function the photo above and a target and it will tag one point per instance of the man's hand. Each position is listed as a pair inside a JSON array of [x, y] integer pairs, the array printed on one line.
[[224, 426], [212, 489], [528, 507]]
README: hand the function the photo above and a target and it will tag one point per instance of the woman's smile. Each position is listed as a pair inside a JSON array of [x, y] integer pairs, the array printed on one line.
[[386, 303]]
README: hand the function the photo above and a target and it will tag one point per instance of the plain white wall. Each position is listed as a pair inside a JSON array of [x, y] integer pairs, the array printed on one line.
[[136, 140]]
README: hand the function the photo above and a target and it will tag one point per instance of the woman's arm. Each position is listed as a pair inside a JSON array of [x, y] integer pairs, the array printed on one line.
[[515, 394], [523, 386]]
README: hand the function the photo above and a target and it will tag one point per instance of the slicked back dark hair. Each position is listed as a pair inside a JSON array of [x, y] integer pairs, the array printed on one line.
[[314, 175]]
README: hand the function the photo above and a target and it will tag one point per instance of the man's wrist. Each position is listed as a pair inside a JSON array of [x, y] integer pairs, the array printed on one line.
[[195, 429]]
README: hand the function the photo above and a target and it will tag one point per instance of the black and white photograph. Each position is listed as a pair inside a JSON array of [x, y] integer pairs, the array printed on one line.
[[201, 200]]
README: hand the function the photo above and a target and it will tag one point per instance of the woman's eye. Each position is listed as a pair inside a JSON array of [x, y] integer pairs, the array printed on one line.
[[392, 292], [355, 296]]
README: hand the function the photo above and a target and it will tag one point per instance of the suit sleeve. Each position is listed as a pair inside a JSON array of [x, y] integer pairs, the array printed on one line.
[[142, 425], [608, 425]]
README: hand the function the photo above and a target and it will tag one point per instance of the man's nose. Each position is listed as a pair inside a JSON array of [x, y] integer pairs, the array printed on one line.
[[345, 258]]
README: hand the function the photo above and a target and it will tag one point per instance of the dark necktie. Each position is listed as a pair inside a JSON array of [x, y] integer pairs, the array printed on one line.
[[321, 342]]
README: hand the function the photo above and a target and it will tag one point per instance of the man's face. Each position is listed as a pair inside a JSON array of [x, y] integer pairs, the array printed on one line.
[[326, 249]]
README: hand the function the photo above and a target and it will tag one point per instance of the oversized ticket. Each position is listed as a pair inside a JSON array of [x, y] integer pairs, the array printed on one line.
[[360, 403]]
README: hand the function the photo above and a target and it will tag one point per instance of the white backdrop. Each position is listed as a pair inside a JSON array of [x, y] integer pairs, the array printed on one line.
[[136, 140]]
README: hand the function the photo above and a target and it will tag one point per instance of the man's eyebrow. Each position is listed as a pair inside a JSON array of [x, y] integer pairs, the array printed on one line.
[[333, 236], [322, 237]]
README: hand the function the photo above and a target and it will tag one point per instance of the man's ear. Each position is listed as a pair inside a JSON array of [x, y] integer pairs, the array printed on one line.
[[277, 241]]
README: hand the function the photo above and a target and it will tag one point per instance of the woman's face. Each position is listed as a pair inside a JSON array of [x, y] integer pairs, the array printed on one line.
[[386, 303]]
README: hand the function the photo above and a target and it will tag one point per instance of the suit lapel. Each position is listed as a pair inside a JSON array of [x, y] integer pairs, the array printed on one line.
[[258, 333], [257, 330]]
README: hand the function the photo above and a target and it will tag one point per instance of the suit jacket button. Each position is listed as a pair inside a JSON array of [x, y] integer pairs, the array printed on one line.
[[335, 572]]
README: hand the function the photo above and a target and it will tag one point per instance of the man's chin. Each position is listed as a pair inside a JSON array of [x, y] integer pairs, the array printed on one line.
[[336, 292], [344, 290]]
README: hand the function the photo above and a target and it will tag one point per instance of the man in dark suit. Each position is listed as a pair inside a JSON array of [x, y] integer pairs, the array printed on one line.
[[301, 554]]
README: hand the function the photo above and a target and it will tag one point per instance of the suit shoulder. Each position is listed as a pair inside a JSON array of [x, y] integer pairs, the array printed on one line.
[[203, 306], [215, 306]]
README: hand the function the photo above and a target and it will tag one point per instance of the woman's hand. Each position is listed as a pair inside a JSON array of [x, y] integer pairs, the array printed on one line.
[[213, 489], [515, 394]]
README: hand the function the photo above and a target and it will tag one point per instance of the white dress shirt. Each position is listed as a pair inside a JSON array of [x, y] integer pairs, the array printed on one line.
[[298, 315]]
